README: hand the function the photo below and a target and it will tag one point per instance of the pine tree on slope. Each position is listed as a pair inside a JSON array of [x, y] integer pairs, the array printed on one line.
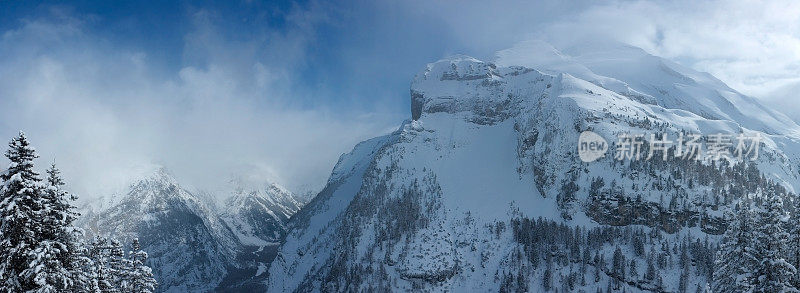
[[794, 240], [735, 261], [61, 216], [119, 266], [142, 280], [19, 205], [51, 268], [84, 274], [99, 254], [774, 273]]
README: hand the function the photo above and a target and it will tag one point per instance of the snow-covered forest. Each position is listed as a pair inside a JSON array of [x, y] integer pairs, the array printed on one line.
[[40, 248]]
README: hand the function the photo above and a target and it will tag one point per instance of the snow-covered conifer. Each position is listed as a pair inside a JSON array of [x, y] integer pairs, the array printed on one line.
[[102, 273], [51, 267], [774, 272], [20, 202], [141, 280], [735, 261], [119, 265]]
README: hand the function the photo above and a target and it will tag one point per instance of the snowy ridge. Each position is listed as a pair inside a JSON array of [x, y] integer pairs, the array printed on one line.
[[192, 246], [188, 246], [321, 212], [438, 205], [630, 71], [258, 217]]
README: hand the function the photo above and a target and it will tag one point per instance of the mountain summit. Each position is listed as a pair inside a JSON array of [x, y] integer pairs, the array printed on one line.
[[482, 190], [632, 72]]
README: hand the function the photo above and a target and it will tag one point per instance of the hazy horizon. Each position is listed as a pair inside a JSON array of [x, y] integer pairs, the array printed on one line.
[[277, 91]]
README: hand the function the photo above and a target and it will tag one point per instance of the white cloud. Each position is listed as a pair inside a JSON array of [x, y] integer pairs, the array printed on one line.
[[235, 104], [753, 46], [105, 113]]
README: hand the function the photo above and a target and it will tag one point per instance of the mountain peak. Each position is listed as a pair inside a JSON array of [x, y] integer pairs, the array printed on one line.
[[494, 146], [632, 72], [455, 67], [455, 84], [160, 174]]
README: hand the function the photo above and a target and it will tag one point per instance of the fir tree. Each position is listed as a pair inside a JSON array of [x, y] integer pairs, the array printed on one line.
[[650, 274], [634, 271], [19, 208], [683, 281], [118, 265], [547, 277], [794, 232], [84, 276], [618, 267], [45, 269], [40, 250], [142, 280], [774, 273], [51, 267], [736, 259], [102, 273]]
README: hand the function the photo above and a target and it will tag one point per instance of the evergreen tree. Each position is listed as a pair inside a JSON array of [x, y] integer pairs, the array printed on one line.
[[794, 244], [618, 267], [774, 273], [84, 276], [102, 273], [20, 205], [61, 214], [634, 271], [142, 280], [547, 277], [736, 259], [650, 274], [46, 270], [40, 250], [118, 265], [683, 281], [51, 267]]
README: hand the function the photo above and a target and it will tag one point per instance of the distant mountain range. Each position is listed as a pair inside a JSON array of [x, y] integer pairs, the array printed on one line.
[[193, 244]]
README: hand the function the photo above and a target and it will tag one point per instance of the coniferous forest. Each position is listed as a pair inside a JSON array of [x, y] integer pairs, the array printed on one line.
[[40, 248]]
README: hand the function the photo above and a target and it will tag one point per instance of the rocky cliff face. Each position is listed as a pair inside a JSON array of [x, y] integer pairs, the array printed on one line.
[[450, 200]]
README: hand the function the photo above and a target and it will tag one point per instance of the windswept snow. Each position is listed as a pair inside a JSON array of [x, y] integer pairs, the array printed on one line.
[[429, 206]]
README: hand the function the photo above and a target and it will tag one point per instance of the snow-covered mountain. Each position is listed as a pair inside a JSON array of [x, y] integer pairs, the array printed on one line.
[[483, 189], [631, 72], [195, 246], [258, 216]]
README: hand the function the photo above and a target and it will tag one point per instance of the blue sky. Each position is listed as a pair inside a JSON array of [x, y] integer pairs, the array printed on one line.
[[278, 90], [365, 53]]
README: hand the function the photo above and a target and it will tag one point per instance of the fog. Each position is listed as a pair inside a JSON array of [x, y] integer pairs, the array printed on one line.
[[279, 93]]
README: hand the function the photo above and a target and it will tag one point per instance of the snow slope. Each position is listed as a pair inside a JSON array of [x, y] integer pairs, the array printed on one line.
[[427, 208], [630, 71]]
